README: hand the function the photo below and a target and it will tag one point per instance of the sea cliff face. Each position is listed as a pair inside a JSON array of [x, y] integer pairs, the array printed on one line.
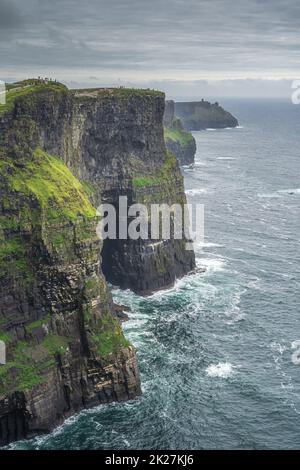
[[200, 115], [179, 141], [112, 140], [61, 154]]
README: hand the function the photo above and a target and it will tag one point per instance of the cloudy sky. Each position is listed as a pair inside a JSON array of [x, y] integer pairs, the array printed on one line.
[[223, 47]]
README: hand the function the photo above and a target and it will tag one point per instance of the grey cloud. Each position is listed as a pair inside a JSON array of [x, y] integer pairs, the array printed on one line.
[[9, 16], [167, 38]]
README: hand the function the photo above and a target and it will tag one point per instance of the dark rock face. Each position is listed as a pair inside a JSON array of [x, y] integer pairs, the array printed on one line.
[[200, 115], [114, 141], [169, 114], [178, 141], [61, 154], [65, 348]]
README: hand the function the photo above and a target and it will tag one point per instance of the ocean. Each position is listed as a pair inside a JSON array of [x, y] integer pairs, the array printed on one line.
[[218, 352]]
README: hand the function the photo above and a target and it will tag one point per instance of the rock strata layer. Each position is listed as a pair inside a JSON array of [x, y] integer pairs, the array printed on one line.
[[62, 153]]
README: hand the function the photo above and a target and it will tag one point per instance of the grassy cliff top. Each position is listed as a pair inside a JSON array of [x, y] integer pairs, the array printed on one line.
[[117, 92], [35, 85], [25, 87]]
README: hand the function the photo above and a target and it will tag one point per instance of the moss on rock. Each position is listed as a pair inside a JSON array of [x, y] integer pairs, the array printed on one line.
[[49, 180], [27, 87], [160, 177], [27, 367], [180, 136], [108, 336]]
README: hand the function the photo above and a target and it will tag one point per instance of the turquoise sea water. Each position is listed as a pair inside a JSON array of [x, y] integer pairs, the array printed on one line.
[[215, 352]]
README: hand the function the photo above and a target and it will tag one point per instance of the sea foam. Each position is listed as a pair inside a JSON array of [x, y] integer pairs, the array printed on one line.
[[226, 158], [211, 264], [280, 193], [195, 192], [222, 369]]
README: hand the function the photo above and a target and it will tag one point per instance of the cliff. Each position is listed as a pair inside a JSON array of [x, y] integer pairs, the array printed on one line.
[[204, 115], [61, 153], [178, 141]]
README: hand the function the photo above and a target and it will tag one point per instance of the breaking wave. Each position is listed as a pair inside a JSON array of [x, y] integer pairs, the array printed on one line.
[[222, 369]]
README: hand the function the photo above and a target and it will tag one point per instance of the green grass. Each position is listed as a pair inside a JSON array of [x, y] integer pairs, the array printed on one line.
[[59, 241], [89, 188], [180, 136], [162, 176], [93, 285], [24, 371], [26, 87], [38, 323], [29, 363], [13, 246], [109, 337], [52, 184], [20, 376], [121, 92], [5, 337], [143, 181], [13, 258], [109, 342], [55, 344], [41, 192]]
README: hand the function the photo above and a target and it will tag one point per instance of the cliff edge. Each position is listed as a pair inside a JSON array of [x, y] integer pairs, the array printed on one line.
[[63, 152], [199, 115], [179, 141]]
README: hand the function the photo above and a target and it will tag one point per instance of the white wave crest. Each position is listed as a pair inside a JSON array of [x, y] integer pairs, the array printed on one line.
[[194, 192], [226, 158], [222, 369], [187, 167], [280, 193], [278, 347], [268, 195], [211, 264], [289, 191], [208, 245]]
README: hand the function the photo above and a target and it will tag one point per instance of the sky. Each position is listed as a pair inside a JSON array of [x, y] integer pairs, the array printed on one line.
[[184, 47]]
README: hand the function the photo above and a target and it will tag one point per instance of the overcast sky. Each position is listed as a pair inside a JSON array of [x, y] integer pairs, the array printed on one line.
[[222, 47]]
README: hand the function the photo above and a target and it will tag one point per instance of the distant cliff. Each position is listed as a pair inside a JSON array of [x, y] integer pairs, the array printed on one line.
[[62, 153], [178, 141], [198, 115]]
